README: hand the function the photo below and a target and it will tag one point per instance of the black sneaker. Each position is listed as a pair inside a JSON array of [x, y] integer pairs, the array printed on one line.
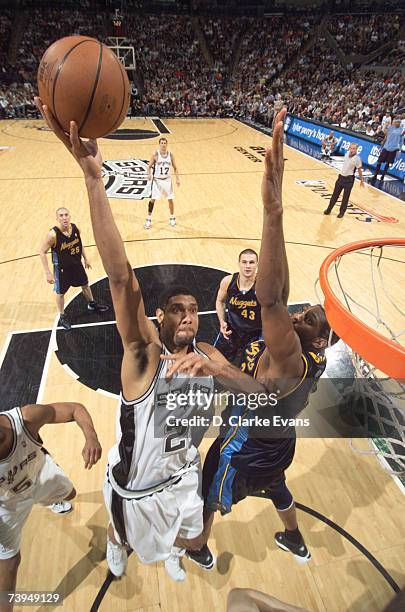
[[300, 551], [64, 322], [326, 212], [203, 557], [98, 308], [340, 216]]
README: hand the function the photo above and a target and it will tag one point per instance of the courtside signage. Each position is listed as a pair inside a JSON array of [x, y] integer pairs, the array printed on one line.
[[368, 151]]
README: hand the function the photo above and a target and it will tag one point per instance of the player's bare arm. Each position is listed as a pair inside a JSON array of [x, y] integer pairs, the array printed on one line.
[[47, 244], [38, 415], [272, 282], [139, 336], [250, 600], [86, 260], [220, 305], [216, 365], [176, 170], [151, 164]]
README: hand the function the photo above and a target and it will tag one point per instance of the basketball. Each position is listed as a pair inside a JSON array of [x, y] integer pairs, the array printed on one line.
[[81, 79]]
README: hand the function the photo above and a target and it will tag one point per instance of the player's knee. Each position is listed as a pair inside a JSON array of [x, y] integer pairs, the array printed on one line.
[[281, 497], [71, 495], [195, 543], [11, 565]]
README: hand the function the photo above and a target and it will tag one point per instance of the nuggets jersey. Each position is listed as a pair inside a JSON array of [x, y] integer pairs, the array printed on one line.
[[19, 470], [152, 449], [258, 454], [243, 308], [163, 166], [68, 250]]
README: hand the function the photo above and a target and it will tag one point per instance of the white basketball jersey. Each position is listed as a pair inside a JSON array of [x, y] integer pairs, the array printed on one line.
[[163, 166], [20, 469], [152, 448]]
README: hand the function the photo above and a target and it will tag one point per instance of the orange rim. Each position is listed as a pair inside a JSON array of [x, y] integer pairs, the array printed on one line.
[[383, 353]]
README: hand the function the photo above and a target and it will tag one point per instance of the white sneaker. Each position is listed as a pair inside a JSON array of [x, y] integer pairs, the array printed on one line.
[[61, 507], [148, 224], [172, 221], [117, 558], [174, 568]]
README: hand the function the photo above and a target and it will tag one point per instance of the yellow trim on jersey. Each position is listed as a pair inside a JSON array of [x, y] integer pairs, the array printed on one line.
[[222, 482], [297, 385]]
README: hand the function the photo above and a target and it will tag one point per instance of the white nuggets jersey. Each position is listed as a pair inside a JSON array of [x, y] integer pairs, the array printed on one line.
[[20, 469], [163, 166], [153, 446]]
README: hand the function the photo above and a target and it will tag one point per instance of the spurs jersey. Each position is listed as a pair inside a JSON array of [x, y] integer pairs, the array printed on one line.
[[243, 308], [163, 166], [153, 446], [19, 470]]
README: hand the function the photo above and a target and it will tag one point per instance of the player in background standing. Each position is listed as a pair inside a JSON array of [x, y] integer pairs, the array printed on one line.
[[29, 475], [160, 174], [68, 271], [238, 309], [392, 143]]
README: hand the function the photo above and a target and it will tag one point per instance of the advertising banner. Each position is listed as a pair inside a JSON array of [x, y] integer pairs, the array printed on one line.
[[368, 150]]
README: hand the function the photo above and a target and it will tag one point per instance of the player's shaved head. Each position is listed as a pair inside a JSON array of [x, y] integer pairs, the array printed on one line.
[[61, 209]]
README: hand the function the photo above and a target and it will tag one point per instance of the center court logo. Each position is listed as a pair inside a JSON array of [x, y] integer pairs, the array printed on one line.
[[126, 179]]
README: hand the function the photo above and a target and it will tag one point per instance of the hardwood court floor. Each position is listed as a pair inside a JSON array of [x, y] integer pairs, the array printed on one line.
[[218, 209]]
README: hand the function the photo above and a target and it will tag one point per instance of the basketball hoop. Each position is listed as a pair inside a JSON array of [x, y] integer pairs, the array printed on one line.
[[386, 354], [377, 400]]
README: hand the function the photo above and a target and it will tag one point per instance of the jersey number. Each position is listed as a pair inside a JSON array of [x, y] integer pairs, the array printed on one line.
[[23, 485], [248, 314], [74, 250], [174, 442]]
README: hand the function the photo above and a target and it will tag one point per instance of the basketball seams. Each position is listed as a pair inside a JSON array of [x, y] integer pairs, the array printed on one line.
[[59, 70], [93, 93]]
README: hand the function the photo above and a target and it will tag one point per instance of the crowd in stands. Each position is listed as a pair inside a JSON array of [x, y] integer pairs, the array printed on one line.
[[279, 61], [362, 34]]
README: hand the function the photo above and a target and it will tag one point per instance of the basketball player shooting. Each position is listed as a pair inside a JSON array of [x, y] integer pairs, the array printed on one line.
[[152, 488]]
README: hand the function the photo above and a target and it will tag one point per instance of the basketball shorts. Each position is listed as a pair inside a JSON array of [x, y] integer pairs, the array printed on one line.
[[224, 486], [52, 485], [73, 276], [162, 188], [150, 525], [387, 156]]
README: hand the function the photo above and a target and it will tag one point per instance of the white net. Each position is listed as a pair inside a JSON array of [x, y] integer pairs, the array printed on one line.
[[369, 282]]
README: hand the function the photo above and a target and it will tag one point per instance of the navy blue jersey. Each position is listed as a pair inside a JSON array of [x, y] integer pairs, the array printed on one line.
[[68, 250], [260, 455], [243, 308]]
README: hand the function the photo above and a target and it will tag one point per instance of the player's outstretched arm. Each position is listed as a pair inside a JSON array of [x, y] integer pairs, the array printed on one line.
[[272, 282], [43, 250], [37, 415], [220, 305], [132, 323]]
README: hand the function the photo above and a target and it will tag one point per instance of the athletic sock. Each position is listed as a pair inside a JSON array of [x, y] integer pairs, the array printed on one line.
[[293, 536]]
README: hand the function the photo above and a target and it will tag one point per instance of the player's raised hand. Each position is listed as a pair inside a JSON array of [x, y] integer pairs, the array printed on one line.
[[86, 153], [91, 452], [190, 364], [274, 166]]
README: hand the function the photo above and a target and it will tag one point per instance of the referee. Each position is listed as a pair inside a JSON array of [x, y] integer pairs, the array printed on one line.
[[392, 143], [345, 180]]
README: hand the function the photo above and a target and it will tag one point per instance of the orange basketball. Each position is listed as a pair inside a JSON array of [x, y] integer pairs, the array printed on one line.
[[81, 79]]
